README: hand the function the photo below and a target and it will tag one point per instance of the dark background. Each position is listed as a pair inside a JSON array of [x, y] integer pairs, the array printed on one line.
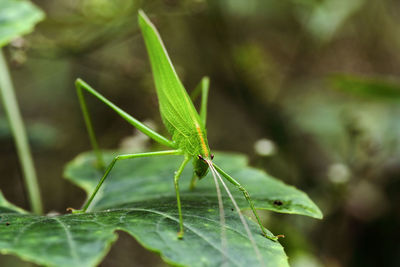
[[271, 64]]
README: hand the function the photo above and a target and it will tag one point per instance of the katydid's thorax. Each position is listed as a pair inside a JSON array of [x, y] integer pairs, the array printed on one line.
[[193, 142], [186, 128]]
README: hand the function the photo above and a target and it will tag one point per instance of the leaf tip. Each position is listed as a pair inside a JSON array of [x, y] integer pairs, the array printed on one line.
[[143, 19], [318, 213]]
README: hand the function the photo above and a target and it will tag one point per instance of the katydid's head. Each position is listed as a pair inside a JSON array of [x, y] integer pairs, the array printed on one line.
[[203, 158], [201, 164]]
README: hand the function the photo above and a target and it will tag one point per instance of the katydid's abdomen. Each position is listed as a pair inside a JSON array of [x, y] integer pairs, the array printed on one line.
[[177, 110]]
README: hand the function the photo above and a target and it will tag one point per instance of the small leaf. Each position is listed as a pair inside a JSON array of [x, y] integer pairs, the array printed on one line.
[[17, 17], [367, 87], [150, 178]]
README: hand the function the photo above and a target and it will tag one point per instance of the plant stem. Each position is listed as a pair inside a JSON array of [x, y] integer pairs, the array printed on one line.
[[20, 138]]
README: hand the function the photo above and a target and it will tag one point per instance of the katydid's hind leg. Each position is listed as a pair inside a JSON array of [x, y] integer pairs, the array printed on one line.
[[247, 196], [202, 88], [205, 84], [111, 166], [81, 85], [89, 126], [248, 199], [178, 200]]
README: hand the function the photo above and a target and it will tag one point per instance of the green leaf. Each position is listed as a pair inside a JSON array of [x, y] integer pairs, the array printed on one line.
[[84, 239], [328, 16], [7, 207], [139, 199], [150, 178], [382, 89], [17, 17]]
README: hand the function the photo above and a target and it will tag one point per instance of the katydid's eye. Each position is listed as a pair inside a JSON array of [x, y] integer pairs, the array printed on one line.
[[212, 156], [201, 157]]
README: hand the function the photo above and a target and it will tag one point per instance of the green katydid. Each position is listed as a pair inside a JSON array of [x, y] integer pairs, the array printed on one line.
[[186, 126]]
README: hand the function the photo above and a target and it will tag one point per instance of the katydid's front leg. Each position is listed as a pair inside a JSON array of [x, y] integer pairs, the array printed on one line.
[[111, 166], [178, 199], [80, 86], [247, 196]]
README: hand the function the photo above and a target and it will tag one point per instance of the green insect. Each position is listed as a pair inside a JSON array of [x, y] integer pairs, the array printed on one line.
[[186, 126]]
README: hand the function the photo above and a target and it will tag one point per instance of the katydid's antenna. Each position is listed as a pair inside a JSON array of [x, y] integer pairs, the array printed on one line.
[[221, 213], [246, 226]]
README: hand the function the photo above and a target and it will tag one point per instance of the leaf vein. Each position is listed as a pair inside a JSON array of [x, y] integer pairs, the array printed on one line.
[[188, 227], [70, 239]]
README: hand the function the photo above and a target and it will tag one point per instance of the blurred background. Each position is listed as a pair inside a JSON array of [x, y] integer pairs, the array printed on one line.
[[308, 89]]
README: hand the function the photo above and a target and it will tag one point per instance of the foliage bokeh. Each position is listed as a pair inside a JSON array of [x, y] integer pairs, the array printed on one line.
[[275, 87]]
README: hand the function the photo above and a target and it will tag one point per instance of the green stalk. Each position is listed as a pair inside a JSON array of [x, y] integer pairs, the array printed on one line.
[[20, 139]]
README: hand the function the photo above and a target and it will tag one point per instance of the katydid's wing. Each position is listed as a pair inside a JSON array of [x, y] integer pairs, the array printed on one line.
[[177, 110]]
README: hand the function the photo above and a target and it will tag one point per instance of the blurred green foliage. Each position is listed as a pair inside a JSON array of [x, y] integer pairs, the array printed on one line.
[[375, 89], [272, 65], [17, 18]]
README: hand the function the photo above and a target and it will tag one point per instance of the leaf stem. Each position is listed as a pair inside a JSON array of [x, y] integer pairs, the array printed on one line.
[[18, 130]]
